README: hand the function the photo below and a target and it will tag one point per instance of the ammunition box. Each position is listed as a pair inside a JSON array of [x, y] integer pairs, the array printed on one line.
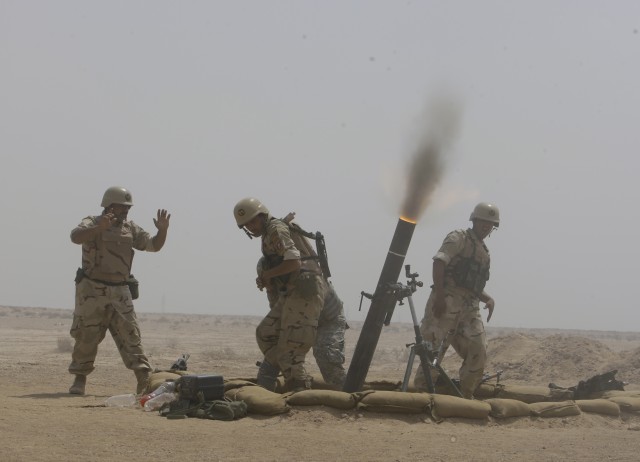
[[211, 386]]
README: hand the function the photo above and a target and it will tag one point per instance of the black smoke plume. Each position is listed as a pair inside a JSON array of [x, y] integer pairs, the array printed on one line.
[[427, 165]]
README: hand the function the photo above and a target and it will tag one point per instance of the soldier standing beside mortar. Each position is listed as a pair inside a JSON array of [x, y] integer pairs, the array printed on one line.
[[452, 314], [105, 288], [289, 330], [328, 349]]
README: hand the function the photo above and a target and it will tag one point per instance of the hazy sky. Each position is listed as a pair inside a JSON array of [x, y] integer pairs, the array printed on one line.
[[315, 107]]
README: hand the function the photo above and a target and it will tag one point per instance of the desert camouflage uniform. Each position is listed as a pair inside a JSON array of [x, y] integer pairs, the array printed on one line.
[[461, 324], [329, 347], [103, 300], [288, 331]]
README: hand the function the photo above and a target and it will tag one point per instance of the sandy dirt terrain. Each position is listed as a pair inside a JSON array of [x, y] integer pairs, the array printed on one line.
[[40, 421]]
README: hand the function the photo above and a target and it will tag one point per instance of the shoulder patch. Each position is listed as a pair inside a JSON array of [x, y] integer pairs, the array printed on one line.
[[277, 243]]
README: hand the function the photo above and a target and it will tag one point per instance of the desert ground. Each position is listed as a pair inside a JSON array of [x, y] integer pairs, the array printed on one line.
[[40, 421]]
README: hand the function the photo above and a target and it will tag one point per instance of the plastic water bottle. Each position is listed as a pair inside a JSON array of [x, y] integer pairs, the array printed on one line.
[[166, 387], [128, 400], [157, 402]]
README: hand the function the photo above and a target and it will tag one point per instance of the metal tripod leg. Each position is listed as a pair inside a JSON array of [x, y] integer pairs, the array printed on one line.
[[407, 372], [427, 361], [424, 364]]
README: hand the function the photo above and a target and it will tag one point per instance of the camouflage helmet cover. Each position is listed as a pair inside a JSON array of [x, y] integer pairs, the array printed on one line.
[[487, 212], [247, 209], [116, 195]]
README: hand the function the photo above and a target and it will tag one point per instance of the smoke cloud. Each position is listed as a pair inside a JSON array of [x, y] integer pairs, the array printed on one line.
[[427, 165]]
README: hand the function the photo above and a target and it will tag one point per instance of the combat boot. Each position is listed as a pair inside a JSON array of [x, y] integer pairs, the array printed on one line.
[[142, 376], [267, 376], [297, 385], [77, 387]]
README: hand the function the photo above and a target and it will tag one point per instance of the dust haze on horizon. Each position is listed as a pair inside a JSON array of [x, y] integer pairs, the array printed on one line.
[[319, 109]]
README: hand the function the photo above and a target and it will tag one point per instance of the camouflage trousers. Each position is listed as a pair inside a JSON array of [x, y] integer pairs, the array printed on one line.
[[329, 350], [461, 327], [100, 308], [289, 330]]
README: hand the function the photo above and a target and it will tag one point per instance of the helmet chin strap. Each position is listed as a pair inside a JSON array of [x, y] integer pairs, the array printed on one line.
[[251, 236], [249, 233]]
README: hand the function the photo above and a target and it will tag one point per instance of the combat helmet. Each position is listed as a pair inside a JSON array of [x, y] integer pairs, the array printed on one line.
[[247, 209], [487, 212], [116, 195]]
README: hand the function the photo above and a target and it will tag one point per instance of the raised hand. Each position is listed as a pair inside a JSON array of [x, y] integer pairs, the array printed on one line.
[[162, 222], [106, 221]]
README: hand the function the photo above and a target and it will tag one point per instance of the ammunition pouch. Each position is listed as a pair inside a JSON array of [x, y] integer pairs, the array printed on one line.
[[134, 288], [213, 410], [469, 274], [271, 261], [307, 285], [222, 410]]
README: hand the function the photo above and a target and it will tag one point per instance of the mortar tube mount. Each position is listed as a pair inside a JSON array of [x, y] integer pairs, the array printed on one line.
[[381, 309]]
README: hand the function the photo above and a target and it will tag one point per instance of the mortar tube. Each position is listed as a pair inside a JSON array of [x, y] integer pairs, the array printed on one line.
[[381, 308]]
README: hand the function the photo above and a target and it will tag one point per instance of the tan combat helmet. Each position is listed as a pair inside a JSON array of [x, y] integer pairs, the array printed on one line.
[[247, 209], [116, 195], [487, 212]]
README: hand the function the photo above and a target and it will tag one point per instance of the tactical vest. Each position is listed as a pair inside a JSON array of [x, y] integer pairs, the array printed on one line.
[[309, 259], [109, 256], [470, 268]]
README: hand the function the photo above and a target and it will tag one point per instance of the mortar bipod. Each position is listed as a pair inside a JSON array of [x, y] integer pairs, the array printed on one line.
[[421, 348]]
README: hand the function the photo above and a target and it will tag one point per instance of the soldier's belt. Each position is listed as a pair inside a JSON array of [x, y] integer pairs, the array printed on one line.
[[313, 272], [108, 283]]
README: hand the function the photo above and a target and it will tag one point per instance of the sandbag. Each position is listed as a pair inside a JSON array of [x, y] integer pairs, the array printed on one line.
[[258, 400], [554, 409], [561, 394], [331, 398], [453, 406], [230, 384], [394, 401], [598, 406], [527, 394], [627, 403], [318, 383], [615, 393], [486, 391], [382, 385], [242, 381], [503, 408]]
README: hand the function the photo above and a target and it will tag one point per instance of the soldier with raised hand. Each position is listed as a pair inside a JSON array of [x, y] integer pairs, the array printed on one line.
[[104, 286], [452, 314], [289, 330]]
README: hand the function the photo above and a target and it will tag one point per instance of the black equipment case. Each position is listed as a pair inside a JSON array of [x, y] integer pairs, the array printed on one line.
[[211, 386]]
